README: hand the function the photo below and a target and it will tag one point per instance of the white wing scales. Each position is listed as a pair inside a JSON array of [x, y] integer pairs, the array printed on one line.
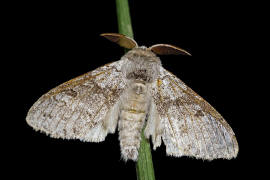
[[191, 127], [77, 109], [87, 108]]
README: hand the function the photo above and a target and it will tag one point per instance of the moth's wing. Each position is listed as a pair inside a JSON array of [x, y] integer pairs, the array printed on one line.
[[189, 126], [84, 108]]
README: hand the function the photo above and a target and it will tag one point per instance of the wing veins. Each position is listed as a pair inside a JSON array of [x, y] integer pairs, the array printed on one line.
[[94, 118], [60, 119], [84, 94], [81, 111], [174, 133], [49, 114], [216, 137], [185, 119], [159, 82], [192, 115], [222, 133], [72, 83], [217, 119], [61, 88]]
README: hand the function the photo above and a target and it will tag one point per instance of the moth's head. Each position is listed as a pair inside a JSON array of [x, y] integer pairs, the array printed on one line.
[[142, 63], [142, 53], [158, 49]]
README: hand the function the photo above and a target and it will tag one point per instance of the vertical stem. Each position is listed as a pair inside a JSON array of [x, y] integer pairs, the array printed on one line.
[[124, 22], [144, 165]]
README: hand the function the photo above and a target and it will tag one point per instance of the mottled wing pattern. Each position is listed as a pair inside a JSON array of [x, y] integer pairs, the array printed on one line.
[[79, 108], [191, 126]]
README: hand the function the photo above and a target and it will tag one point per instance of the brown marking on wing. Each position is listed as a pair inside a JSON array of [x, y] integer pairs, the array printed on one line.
[[159, 83], [71, 83], [199, 113], [206, 108], [185, 118]]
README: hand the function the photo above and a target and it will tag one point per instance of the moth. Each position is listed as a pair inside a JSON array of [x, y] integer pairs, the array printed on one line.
[[133, 94]]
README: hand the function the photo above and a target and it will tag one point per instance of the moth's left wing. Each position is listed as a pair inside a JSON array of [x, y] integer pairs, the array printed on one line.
[[188, 125], [84, 108]]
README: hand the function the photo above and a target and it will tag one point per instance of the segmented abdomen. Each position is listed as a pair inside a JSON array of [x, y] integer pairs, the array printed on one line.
[[132, 117]]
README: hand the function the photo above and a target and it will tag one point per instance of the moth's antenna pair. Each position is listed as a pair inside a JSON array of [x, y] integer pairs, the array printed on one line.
[[129, 43]]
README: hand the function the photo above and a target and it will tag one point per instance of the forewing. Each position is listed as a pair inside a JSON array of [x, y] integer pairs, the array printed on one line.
[[191, 126], [83, 108]]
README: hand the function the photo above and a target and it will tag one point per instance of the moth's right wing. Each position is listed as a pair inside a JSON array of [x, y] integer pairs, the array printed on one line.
[[84, 108], [187, 124]]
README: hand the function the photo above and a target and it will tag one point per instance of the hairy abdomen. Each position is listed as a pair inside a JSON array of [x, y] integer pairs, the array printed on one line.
[[134, 108]]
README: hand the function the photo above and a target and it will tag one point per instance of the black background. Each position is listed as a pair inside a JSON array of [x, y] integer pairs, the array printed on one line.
[[56, 42]]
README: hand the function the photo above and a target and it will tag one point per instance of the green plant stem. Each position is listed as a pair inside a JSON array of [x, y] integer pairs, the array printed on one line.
[[144, 165], [123, 17]]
